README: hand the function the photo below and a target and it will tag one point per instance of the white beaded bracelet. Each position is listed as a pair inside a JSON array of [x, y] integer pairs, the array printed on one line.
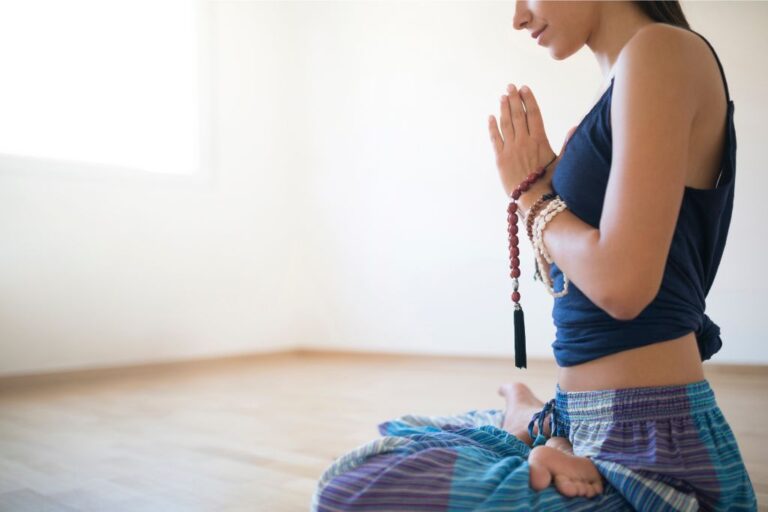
[[552, 208]]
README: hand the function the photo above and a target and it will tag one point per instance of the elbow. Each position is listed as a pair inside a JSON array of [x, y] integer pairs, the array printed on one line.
[[627, 302], [623, 310], [629, 283]]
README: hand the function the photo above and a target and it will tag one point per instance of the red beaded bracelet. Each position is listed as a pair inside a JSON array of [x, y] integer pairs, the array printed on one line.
[[514, 264]]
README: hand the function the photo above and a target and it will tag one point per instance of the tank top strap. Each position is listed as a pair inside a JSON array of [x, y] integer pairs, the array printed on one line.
[[719, 65]]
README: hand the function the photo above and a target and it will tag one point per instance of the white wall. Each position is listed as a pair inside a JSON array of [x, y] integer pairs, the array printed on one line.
[[352, 200]]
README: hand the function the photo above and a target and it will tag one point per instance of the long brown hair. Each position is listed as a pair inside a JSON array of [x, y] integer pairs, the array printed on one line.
[[664, 12]]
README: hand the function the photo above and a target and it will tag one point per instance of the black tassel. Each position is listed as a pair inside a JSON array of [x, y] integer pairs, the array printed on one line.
[[520, 358]]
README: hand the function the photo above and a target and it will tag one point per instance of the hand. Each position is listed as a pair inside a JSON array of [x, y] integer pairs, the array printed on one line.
[[522, 147]]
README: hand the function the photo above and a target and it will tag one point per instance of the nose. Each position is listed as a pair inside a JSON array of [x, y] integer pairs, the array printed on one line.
[[521, 17]]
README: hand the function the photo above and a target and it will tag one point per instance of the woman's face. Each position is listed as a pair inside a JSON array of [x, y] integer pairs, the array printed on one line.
[[567, 24]]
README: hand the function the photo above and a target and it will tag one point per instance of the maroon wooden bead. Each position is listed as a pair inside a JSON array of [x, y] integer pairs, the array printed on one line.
[[515, 272], [515, 262], [516, 193], [514, 251], [513, 239], [516, 296], [525, 186], [512, 207], [513, 228]]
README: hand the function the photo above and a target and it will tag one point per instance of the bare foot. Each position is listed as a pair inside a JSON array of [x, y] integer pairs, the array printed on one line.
[[521, 405], [573, 475], [561, 443]]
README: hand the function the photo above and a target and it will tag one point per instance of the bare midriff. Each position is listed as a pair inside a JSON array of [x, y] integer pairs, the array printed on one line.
[[671, 362]]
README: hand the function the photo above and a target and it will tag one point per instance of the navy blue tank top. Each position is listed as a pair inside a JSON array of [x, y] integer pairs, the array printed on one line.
[[584, 331]]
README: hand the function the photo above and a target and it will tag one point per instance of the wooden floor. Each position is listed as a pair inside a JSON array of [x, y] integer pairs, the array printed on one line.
[[255, 433]]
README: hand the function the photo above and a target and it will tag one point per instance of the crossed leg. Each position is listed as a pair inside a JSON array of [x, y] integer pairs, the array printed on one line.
[[555, 461]]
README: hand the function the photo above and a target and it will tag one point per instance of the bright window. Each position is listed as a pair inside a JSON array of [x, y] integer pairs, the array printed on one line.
[[112, 82]]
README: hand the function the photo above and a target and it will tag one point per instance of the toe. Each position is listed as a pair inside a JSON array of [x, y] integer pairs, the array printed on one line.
[[581, 485], [566, 486]]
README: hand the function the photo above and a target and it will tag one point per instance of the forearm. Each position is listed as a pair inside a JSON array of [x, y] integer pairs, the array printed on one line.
[[577, 249]]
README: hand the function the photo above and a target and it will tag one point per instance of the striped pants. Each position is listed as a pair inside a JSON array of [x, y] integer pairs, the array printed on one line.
[[659, 448], [663, 447]]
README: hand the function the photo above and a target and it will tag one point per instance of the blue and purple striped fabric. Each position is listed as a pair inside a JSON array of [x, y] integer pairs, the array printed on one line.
[[658, 448]]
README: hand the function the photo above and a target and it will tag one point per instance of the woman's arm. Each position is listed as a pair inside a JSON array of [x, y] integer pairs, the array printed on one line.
[[573, 244], [620, 266]]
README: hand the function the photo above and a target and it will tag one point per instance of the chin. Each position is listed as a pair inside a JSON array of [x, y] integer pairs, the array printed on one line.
[[555, 53], [558, 53]]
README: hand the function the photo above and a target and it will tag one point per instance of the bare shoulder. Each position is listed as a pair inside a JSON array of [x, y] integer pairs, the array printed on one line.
[[668, 62], [676, 44]]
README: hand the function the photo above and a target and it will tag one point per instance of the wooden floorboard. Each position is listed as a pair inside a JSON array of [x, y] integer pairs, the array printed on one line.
[[255, 433]]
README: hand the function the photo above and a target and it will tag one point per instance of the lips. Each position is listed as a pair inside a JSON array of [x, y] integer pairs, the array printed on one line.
[[536, 34]]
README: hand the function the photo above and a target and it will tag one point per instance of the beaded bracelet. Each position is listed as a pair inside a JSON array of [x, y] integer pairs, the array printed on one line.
[[543, 275], [530, 216], [553, 208], [525, 215], [550, 210]]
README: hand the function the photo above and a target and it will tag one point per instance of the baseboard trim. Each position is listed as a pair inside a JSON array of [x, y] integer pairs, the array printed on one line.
[[46, 378], [34, 379]]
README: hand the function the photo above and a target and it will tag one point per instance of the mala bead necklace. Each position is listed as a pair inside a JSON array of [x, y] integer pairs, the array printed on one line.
[[514, 265]]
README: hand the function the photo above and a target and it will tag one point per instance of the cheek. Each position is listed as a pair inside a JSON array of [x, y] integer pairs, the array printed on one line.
[[544, 12]]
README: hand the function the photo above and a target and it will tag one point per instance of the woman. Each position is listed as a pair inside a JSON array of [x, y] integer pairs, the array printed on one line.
[[660, 129], [648, 178]]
